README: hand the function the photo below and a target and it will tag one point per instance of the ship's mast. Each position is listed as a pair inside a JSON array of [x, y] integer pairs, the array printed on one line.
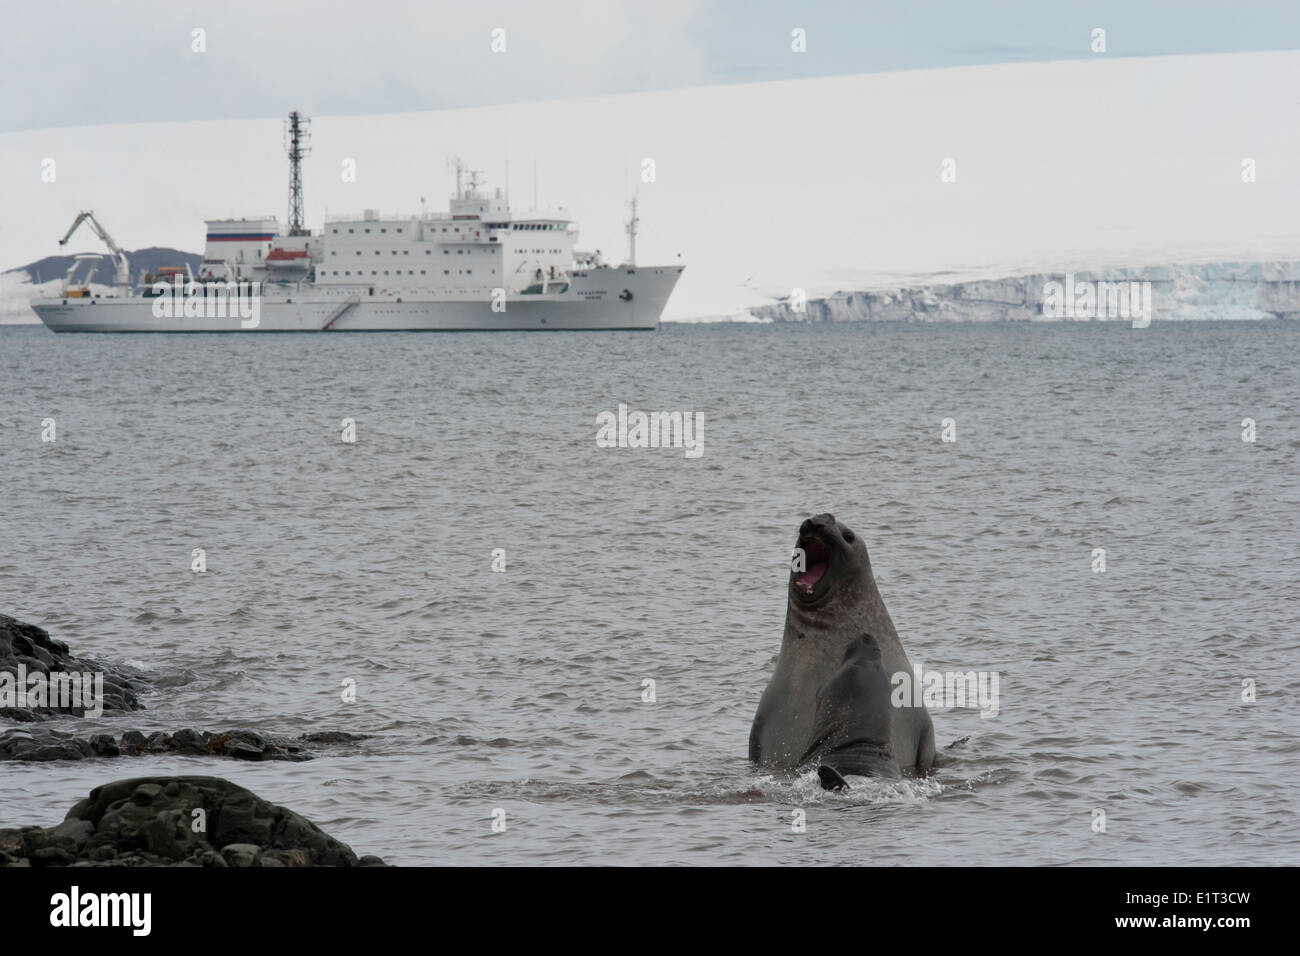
[[455, 163], [631, 227], [297, 135]]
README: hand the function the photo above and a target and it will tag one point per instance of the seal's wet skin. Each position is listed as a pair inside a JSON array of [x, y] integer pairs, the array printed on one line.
[[829, 697], [854, 722]]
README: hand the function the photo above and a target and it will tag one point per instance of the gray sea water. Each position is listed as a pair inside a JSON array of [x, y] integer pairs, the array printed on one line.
[[521, 690]]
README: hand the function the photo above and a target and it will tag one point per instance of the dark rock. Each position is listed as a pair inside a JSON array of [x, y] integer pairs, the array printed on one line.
[[27, 650], [151, 821], [241, 854], [43, 743], [71, 835], [187, 742], [104, 745], [51, 856]]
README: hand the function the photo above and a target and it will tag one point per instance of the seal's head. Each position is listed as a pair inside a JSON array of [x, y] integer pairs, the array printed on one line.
[[833, 559]]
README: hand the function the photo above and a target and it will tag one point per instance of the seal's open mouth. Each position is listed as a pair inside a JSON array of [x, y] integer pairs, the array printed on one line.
[[817, 561]]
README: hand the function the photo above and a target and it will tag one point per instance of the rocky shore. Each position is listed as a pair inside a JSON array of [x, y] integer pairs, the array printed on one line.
[[42, 743], [170, 821], [145, 821], [26, 649]]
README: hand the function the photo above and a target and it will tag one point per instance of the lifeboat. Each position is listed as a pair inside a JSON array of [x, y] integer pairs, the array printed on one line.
[[285, 261]]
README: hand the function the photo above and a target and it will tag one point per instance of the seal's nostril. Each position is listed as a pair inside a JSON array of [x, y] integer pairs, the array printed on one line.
[[849, 536], [806, 527]]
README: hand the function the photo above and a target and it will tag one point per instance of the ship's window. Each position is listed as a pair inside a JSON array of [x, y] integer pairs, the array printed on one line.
[[394, 252], [446, 272], [351, 230], [399, 229], [336, 232], [383, 230], [458, 252], [358, 252], [346, 273], [427, 251], [333, 253], [421, 272], [372, 272], [385, 272], [469, 272], [446, 252], [406, 252]]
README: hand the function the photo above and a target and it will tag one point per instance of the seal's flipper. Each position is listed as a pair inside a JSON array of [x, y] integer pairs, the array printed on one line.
[[852, 724], [831, 780]]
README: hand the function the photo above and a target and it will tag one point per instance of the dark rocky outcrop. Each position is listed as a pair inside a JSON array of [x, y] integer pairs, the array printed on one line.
[[28, 649], [43, 743], [169, 821]]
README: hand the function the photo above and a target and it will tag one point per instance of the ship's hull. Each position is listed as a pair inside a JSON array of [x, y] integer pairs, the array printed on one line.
[[597, 299]]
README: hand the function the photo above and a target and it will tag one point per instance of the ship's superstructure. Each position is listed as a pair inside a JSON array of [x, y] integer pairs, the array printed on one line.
[[477, 266]]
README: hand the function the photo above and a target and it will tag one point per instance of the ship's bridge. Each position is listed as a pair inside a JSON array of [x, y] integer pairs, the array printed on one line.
[[475, 206]]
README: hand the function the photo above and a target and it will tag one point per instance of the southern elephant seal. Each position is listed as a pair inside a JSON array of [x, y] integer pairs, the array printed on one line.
[[833, 601]]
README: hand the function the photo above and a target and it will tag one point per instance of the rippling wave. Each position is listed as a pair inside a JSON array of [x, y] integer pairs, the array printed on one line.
[[521, 690]]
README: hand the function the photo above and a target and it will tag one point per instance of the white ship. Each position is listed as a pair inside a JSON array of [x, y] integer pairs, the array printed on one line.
[[476, 267]]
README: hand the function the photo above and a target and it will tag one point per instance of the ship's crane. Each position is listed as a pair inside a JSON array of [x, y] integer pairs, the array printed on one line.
[[119, 256]]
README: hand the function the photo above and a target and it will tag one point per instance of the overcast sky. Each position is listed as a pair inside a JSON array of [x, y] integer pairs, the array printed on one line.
[[78, 62]]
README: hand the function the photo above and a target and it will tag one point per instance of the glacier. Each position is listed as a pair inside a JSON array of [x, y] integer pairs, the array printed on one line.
[[1180, 292]]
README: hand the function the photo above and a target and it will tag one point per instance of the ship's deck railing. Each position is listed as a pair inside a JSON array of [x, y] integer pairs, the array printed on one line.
[[518, 218], [378, 217]]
